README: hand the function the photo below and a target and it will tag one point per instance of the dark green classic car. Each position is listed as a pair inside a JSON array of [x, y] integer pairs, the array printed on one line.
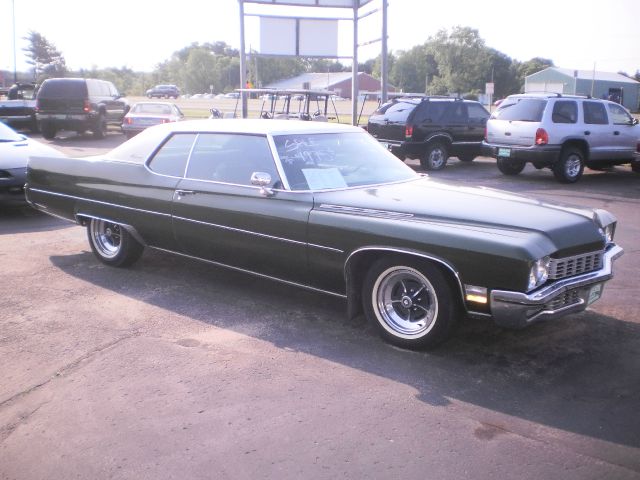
[[325, 207]]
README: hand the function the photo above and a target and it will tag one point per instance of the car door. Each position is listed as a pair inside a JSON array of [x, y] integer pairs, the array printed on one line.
[[219, 216], [625, 132], [597, 130]]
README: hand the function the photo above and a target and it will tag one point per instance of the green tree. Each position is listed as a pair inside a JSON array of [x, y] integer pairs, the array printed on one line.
[[462, 59], [46, 59]]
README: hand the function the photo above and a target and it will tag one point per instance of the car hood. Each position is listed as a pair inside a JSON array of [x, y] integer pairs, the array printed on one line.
[[16, 154], [568, 228]]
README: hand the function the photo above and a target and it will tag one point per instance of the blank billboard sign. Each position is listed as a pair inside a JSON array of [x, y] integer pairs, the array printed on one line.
[[298, 36]]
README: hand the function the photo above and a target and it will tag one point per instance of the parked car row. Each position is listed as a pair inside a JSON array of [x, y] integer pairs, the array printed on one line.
[[559, 132]]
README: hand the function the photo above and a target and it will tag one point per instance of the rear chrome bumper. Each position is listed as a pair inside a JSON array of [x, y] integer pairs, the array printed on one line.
[[569, 295]]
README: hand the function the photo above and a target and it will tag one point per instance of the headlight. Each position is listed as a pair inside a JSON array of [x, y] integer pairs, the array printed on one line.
[[539, 273]]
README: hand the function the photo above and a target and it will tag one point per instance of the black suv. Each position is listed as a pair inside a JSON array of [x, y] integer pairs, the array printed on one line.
[[164, 91], [430, 129], [79, 104]]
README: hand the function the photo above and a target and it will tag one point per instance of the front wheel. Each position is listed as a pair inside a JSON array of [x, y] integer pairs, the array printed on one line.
[[570, 166], [435, 157], [411, 303], [112, 244], [510, 167]]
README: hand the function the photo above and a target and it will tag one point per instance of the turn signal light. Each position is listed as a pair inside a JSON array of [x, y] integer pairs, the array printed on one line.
[[542, 137]]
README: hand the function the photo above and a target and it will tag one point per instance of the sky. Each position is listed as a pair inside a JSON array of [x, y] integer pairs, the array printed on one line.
[[139, 34]]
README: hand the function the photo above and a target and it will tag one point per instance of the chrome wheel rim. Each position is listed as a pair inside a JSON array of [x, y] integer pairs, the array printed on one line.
[[572, 165], [436, 158], [107, 237], [406, 302]]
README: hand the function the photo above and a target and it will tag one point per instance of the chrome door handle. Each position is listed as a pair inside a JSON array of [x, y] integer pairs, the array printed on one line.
[[182, 193]]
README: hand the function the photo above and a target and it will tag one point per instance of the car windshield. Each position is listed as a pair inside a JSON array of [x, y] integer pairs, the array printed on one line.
[[521, 109], [338, 160], [9, 135]]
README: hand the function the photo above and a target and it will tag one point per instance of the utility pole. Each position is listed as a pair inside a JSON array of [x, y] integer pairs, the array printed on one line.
[[15, 67]]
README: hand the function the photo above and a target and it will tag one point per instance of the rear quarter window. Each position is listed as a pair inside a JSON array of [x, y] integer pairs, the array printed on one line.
[[565, 111], [399, 112], [521, 110]]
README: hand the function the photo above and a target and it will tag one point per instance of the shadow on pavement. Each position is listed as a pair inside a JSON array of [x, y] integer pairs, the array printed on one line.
[[580, 374]]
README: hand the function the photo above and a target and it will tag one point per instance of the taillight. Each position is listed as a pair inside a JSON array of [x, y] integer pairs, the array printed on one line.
[[408, 131], [164, 120], [542, 137], [37, 107], [128, 120], [87, 106]]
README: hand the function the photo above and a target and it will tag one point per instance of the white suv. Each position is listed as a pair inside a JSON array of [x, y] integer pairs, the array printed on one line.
[[562, 132]]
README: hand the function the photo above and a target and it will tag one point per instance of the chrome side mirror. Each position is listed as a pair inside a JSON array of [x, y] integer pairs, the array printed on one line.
[[262, 179]]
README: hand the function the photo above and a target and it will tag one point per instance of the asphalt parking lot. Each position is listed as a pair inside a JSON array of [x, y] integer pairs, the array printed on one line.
[[176, 369]]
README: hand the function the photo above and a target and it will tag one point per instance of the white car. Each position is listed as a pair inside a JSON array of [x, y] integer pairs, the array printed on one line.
[[15, 150]]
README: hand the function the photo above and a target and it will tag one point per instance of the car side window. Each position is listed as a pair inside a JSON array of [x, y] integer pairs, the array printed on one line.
[[171, 158], [231, 158], [457, 113], [619, 115], [595, 113], [565, 111], [430, 112], [477, 114]]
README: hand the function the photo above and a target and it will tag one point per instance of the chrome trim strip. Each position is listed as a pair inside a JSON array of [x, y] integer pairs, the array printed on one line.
[[257, 234], [297, 242], [322, 247], [240, 230], [47, 192], [364, 211], [517, 309], [415, 254], [251, 272]]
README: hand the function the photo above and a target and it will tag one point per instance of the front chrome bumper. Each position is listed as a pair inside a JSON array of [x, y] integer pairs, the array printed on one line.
[[569, 295]]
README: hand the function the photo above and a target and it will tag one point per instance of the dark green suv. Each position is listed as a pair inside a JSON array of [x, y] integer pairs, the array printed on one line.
[[79, 104]]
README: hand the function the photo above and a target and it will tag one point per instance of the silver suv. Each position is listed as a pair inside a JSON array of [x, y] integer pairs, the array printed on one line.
[[562, 132]]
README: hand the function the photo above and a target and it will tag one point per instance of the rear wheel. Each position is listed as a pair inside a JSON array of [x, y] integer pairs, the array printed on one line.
[[48, 131], [510, 167], [112, 244], [570, 166], [411, 303], [100, 130], [435, 157]]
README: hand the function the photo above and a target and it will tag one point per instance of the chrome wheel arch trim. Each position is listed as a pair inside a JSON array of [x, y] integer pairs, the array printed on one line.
[[83, 218], [409, 252]]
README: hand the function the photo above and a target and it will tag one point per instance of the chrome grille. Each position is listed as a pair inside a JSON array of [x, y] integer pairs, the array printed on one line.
[[570, 266], [564, 300]]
